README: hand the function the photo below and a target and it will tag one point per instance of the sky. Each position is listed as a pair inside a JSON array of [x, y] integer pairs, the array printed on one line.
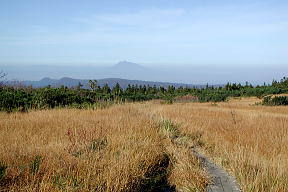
[[163, 32]]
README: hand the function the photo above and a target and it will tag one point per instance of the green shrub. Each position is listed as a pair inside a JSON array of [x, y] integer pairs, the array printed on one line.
[[23, 99], [171, 128], [275, 101], [35, 164]]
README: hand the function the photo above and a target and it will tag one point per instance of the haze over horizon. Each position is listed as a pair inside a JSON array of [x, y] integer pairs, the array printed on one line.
[[196, 74], [188, 41]]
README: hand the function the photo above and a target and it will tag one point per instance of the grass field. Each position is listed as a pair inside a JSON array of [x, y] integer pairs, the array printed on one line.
[[250, 141], [144, 147], [114, 149]]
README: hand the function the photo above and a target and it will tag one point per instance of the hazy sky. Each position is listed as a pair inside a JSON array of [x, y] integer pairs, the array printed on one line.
[[200, 40], [235, 32]]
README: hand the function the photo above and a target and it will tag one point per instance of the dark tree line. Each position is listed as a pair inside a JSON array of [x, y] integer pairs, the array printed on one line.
[[24, 98]]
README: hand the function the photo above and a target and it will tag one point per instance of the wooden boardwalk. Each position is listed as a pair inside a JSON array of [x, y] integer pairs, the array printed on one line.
[[221, 181]]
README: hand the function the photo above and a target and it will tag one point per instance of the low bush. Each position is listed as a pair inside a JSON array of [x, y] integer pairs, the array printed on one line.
[[275, 101]]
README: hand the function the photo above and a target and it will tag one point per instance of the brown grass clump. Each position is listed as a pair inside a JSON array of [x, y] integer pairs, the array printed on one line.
[[77, 150], [114, 149], [187, 173], [248, 140], [188, 97]]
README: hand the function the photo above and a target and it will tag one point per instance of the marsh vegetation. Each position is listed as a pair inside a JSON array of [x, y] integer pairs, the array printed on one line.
[[144, 146]]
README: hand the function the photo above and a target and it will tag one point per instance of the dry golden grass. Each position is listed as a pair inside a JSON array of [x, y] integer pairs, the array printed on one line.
[[122, 147], [250, 141], [114, 149]]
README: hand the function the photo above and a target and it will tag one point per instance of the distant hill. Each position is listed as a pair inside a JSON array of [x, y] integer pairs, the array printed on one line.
[[123, 69], [70, 82], [188, 73], [125, 65]]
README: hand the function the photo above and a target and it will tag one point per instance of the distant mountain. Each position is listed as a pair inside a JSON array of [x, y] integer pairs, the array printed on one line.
[[70, 82], [125, 69], [125, 65], [188, 73]]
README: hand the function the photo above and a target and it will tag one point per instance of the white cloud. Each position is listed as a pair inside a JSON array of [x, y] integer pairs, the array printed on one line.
[[151, 18], [183, 34]]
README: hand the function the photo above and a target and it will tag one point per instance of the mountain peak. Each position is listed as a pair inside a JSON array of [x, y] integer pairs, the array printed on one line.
[[66, 79], [127, 64], [46, 79]]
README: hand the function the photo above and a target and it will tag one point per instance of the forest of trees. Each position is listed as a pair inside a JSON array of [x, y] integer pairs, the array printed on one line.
[[25, 98]]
